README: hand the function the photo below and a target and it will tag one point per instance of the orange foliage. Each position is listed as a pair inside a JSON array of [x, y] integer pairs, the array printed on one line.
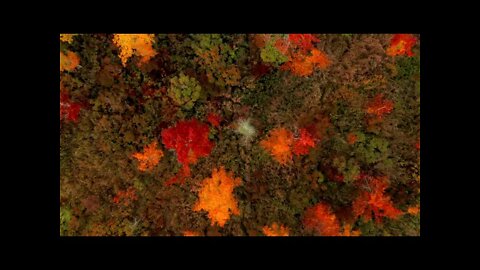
[[149, 158], [347, 231], [216, 196], [191, 233], [374, 200], [401, 44], [279, 144], [413, 210], [351, 138], [320, 219], [319, 59], [303, 65], [127, 196], [138, 44], [69, 61], [275, 230], [379, 106], [376, 110]]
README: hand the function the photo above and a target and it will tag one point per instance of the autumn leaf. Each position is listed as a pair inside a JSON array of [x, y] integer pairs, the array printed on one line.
[[67, 37], [347, 231], [149, 158], [191, 233], [138, 44], [68, 110], [214, 119], [379, 106], [414, 210], [69, 61], [216, 196], [125, 196], [190, 141], [275, 230], [351, 138], [318, 59], [279, 144], [401, 44], [374, 201], [303, 144], [320, 219]]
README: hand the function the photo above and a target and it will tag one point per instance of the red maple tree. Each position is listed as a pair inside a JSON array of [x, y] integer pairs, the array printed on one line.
[[68, 110], [214, 119], [320, 219], [190, 140], [303, 144], [379, 106], [374, 201], [304, 42], [401, 44]]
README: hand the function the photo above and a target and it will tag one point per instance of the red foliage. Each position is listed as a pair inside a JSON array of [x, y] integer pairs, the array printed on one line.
[[260, 69], [375, 201], [125, 196], [351, 138], [417, 145], [303, 143], [379, 106], [401, 44], [282, 45], [320, 219], [180, 177], [304, 42], [190, 140], [214, 119], [68, 110]]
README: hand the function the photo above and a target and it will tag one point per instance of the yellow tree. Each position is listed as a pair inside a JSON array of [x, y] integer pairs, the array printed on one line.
[[138, 44]]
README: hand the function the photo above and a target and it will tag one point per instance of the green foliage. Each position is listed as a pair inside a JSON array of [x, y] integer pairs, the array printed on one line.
[[184, 90], [218, 59], [270, 54], [205, 41], [407, 67], [352, 170], [338, 194], [374, 150], [65, 217]]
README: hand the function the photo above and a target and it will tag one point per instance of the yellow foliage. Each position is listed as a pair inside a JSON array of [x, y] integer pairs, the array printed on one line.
[[149, 158], [138, 44], [69, 61], [275, 230], [216, 196], [67, 37], [279, 144]]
